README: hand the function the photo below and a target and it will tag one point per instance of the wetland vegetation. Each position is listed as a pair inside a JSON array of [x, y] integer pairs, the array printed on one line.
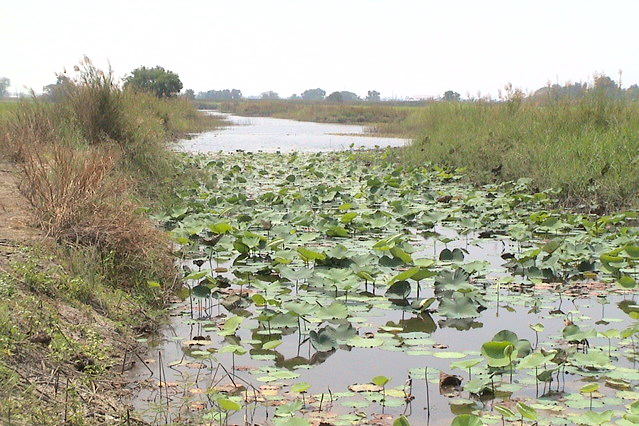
[[77, 251], [441, 282], [337, 288], [578, 138], [319, 112]]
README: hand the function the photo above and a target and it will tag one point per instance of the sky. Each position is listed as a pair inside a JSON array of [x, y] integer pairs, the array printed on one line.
[[401, 48]]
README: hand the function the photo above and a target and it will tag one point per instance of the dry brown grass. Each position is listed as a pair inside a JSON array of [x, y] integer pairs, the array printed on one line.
[[88, 154], [79, 198], [30, 124]]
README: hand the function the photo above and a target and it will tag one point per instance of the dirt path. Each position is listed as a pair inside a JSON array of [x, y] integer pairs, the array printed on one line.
[[14, 214]]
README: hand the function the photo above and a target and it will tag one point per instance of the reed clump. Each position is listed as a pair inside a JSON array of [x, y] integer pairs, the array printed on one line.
[[587, 148], [90, 159]]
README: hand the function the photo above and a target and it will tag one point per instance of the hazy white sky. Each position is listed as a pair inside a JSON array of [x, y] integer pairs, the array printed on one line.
[[398, 47]]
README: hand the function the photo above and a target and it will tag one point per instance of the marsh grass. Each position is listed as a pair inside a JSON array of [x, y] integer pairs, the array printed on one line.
[[587, 148], [79, 198], [91, 159], [320, 112]]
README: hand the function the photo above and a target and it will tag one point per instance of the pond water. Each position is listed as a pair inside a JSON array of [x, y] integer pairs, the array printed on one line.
[[278, 204], [275, 134]]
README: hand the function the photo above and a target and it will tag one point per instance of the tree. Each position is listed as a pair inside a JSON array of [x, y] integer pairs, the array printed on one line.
[[236, 94], [335, 97], [372, 96], [162, 83], [269, 95], [450, 96], [314, 94], [189, 94], [294, 97], [4, 86], [56, 91], [604, 82], [221, 95], [633, 92], [349, 96], [606, 86]]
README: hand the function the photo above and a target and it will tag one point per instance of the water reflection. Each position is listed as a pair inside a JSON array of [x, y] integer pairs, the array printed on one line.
[[422, 323], [276, 134]]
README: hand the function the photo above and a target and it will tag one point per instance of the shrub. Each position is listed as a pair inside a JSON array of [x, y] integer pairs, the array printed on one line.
[[79, 198]]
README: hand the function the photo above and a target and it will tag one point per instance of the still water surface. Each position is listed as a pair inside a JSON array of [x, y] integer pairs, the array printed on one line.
[[276, 134]]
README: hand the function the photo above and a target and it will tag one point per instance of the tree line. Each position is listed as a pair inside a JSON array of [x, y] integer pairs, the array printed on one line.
[[316, 95], [165, 83]]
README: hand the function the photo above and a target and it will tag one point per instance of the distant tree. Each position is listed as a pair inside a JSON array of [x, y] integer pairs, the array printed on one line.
[[55, 91], [605, 82], [269, 95], [162, 83], [372, 96], [335, 97], [314, 95], [633, 92], [221, 95], [450, 96], [349, 96], [4, 86], [294, 97], [556, 92], [189, 94], [606, 86]]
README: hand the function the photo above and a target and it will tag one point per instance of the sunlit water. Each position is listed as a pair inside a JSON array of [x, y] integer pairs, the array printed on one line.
[[275, 134]]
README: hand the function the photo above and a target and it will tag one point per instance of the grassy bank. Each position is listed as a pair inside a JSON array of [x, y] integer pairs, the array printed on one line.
[[588, 148], [320, 112], [83, 271]]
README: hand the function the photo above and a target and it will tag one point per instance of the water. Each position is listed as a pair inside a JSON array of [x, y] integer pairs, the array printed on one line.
[[189, 376], [275, 134]]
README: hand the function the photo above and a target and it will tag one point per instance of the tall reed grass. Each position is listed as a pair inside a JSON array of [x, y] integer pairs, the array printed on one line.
[[90, 157], [588, 148], [319, 112]]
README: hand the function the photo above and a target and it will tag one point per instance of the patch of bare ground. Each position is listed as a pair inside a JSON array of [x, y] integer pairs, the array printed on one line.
[[14, 214]]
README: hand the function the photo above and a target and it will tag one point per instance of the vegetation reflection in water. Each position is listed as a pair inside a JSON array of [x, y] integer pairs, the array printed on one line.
[[336, 288]]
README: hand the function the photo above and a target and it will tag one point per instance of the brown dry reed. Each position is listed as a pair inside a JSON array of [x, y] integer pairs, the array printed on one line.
[[88, 156]]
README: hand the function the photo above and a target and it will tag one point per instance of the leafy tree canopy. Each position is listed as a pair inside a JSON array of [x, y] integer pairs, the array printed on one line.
[[221, 95], [373, 96], [269, 95], [343, 96], [189, 94], [314, 94], [4, 86], [162, 83], [451, 96], [335, 97]]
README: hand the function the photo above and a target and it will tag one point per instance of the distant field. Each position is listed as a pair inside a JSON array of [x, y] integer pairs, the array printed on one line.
[[320, 112]]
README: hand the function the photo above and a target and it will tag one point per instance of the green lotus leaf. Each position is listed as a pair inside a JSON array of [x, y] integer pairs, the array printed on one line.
[[527, 411], [467, 420], [458, 307], [300, 387], [498, 354], [228, 405], [380, 380]]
